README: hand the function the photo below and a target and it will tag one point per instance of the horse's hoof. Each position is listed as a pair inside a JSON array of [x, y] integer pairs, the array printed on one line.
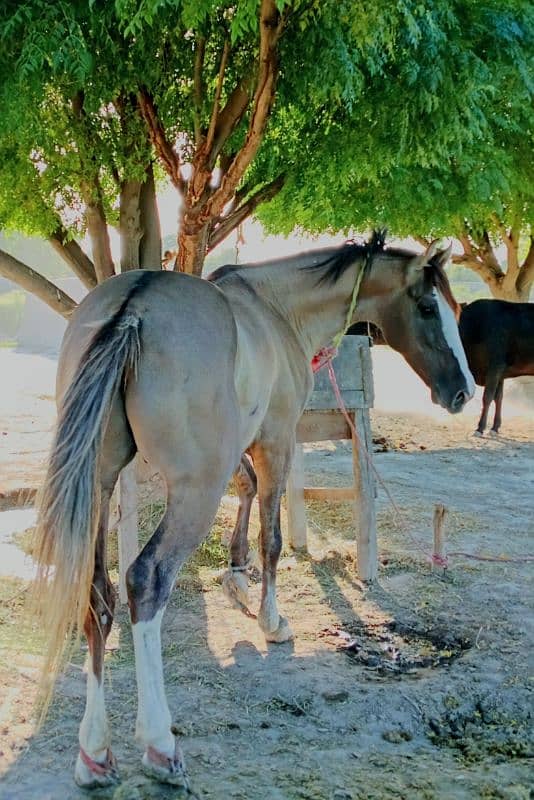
[[235, 587], [494, 434], [283, 632], [479, 434], [164, 769], [90, 774]]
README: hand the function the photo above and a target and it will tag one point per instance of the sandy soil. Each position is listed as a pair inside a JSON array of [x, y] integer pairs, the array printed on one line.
[[418, 687]]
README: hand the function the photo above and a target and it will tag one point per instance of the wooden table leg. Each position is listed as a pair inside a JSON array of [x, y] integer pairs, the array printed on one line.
[[296, 510], [364, 504]]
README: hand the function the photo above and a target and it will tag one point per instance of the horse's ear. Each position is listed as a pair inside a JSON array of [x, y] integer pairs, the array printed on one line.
[[434, 253], [443, 256]]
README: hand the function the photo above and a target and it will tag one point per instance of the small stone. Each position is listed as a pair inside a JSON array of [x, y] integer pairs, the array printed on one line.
[[394, 737], [334, 696]]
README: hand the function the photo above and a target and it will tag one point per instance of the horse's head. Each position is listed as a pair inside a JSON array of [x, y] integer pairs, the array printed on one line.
[[419, 318]]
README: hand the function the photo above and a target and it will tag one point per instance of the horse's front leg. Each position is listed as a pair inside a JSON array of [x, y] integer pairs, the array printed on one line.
[[271, 463], [234, 582]]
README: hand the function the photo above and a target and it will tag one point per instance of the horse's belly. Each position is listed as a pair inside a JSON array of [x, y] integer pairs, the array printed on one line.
[[255, 376]]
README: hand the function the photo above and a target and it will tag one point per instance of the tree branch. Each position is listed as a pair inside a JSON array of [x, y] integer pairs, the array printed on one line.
[[423, 241], [217, 99], [25, 277], [271, 24], [526, 273], [198, 88], [91, 192], [162, 146], [71, 252], [150, 244], [230, 116], [239, 214]]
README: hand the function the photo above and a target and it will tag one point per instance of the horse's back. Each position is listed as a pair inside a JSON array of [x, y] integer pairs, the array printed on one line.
[[176, 312]]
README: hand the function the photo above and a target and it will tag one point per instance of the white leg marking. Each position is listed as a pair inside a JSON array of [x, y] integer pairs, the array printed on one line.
[[268, 617], [153, 715], [94, 735], [452, 337]]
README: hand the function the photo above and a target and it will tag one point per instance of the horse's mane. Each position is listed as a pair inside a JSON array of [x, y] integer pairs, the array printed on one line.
[[331, 269], [335, 266]]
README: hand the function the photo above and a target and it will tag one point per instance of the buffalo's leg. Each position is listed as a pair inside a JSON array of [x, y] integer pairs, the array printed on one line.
[[493, 379], [497, 421], [235, 579]]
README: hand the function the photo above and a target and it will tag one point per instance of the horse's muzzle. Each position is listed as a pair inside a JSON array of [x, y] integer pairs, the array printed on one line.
[[458, 402]]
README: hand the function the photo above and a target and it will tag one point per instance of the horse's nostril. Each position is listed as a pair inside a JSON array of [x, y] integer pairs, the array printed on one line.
[[460, 400]]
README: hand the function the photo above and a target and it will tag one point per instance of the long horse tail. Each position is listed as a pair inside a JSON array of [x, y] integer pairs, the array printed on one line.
[[69, 509]]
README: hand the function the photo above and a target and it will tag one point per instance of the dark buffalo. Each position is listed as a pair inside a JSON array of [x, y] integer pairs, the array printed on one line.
[[498, 339]]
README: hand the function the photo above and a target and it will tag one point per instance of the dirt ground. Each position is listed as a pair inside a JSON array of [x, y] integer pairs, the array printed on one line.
[[418, 687]]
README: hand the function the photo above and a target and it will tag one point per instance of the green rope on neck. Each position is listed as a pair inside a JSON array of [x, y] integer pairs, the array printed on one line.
[[354, 299]]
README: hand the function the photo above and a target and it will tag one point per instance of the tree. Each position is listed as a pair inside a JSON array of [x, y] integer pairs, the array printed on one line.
[[450, 131], [74, 153], [313, 106]]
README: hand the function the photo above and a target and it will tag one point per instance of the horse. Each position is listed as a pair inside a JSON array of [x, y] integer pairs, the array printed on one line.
[[498, 338], [192, 374]]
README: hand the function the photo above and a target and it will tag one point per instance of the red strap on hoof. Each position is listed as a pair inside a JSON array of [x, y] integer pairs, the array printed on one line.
[[94, 766], [172, 764]]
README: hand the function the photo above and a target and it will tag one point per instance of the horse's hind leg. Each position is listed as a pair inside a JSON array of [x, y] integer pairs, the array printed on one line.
[[191, 507], [95, 765], [272, 466], [235, 579]]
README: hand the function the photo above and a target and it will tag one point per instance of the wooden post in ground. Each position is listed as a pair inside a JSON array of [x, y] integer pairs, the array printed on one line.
[[440, 512], [128, 525]]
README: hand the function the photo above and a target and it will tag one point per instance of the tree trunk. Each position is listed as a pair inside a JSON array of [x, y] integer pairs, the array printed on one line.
[[130, 225], [515, 283], [25, 277], [192, 246], [100, 244], [150, 244], [71, 252]]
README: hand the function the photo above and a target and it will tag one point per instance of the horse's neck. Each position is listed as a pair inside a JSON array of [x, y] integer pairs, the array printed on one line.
[[315, 312]]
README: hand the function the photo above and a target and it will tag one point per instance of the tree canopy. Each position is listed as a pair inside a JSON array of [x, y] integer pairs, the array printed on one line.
[[442, 146], [411, 114]]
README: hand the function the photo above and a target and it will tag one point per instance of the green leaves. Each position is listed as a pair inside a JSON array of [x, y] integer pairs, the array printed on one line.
[[410, 114]]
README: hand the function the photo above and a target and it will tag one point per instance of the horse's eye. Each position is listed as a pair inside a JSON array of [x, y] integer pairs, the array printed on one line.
[[427, 310]]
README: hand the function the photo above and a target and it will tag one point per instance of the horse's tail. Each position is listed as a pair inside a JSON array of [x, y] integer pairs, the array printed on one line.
[[70, 497]]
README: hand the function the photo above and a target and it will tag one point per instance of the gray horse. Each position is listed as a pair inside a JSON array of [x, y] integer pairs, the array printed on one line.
[[192, 374]]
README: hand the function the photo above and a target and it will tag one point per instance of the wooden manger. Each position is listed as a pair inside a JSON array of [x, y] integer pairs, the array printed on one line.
[[322, 421]]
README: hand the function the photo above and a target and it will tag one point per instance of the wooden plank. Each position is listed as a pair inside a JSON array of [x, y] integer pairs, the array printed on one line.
[[350, 368], [366, 368], [336, 494], [323, 399], [364, 505], [296, 510], [128, 525], [322, 426]]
